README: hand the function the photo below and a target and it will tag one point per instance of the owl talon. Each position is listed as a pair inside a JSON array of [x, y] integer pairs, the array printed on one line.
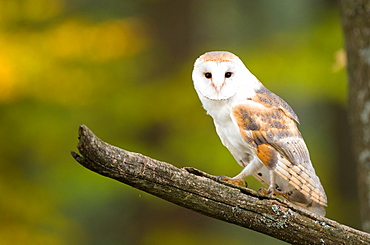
[[271, 192], [265, 192], [233, 181]]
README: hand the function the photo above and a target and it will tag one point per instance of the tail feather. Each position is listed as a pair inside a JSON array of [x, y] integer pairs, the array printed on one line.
[[301, 200], [304, 179], [292, 193]]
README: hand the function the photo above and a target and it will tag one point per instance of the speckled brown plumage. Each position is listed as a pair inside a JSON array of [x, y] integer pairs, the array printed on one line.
[[272, 132]]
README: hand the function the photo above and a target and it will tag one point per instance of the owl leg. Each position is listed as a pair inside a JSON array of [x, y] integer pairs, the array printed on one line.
[[248, 170], [272, 181]]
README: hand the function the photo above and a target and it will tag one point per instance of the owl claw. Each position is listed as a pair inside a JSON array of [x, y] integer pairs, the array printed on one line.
[[271, 192], [233, 181], [265, 192]]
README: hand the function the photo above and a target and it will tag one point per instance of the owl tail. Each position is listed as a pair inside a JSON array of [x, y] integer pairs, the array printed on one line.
[[299, 199], [317, 208]]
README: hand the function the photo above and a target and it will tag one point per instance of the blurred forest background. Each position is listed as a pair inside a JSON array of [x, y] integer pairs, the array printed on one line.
[[123, 68]]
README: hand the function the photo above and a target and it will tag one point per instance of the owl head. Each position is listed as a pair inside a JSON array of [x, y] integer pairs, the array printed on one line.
[[219, 75]]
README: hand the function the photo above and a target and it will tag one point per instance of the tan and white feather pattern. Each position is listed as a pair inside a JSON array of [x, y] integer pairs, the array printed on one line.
[[259, 129]]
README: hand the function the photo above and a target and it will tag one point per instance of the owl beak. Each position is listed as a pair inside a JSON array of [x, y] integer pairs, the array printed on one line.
[[218, 86], [218, 89]]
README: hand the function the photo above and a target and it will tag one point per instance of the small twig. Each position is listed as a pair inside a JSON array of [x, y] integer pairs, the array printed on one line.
[[201, 192]]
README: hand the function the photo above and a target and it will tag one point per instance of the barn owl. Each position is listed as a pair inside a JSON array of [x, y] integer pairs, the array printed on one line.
[[259, 129]]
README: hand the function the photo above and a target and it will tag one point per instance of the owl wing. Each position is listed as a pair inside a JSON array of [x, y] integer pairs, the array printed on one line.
[[268, 124]]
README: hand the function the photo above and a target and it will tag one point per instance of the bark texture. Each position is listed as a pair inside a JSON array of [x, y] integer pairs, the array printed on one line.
[[203, 193], [356, 27]]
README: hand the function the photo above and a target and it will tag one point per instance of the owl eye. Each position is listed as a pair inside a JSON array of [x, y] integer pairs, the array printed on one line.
[[228, 74], [208, 75]]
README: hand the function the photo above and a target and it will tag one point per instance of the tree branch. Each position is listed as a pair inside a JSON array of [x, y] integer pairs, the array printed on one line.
[[202, 193]]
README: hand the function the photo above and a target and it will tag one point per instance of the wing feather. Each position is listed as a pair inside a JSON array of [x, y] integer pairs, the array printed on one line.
[[269, 99], [262, 125], [270, 129]]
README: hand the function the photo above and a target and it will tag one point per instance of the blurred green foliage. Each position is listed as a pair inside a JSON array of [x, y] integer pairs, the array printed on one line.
[[123, 68]]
